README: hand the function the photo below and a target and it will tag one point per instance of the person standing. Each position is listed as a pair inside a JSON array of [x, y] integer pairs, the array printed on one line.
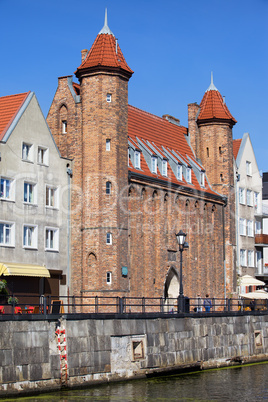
[[207, 303]]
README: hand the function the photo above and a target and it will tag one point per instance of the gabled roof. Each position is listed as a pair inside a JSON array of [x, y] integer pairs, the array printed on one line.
[[236, 146], [105, 53], [213, 107], [9, 108]]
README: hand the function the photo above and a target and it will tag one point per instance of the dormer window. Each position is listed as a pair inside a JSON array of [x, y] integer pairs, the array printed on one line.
[[109, 98], [154, 164], [137, 159], [248, 168], [188, 175], [164, 168], [202, 179], [179, 172]]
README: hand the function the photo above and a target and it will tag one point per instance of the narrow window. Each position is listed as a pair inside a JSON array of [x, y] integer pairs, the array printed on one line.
[[221, 177], [188, 175], [108, 187], [51, 197], [207, 152], [108, 238], [109, 98], [248, 168], [250, 228], [242, 227], [241, 195], [164, 168], [29, 193], [243, 257], [6, 234], [5, 188], [26, 152], [108, 278], [202, 179], [154, 164], [220, 151], [42, 156], [64, 126], [108, 145], [30, 236], [52, 239], [249, 198], [179, 175], [137, 159], [251, 258]]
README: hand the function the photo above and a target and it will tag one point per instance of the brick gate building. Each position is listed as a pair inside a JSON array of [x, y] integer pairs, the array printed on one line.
[[138, 179]]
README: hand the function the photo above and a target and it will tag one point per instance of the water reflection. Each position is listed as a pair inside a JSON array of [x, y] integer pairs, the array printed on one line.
[[247, 383]]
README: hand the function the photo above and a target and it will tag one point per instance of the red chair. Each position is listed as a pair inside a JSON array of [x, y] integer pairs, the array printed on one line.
[[30, 309], [2, 310], [18, 310]]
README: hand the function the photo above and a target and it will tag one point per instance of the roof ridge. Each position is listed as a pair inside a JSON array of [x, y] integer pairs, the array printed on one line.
[[154, 115]]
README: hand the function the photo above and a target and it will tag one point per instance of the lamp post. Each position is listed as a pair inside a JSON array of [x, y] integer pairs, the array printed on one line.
[[181, 236]]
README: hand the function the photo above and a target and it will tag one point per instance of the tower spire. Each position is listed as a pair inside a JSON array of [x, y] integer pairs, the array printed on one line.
[[105, 28], [212, 86]]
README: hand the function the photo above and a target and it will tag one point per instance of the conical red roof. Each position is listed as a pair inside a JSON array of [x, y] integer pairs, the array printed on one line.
[[105, 52], [213, 107]]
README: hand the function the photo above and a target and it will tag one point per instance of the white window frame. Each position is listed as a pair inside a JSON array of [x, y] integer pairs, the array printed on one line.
[[242, 226], [179, 172], [250, 228], [51, 239], [6, 191], [243, 257], [164, 168], [108, 145], [109, 278], [249, 198], [248, 168], [109, 238], [109, 98], [154, 164], [30, 236], [257, 202], [27, 152], [202, 179], [242, 198], [29, 194], [251, 258], [137, 159], [188, 174], [258, 227], [42, 156], [51, 200], [7, 234]]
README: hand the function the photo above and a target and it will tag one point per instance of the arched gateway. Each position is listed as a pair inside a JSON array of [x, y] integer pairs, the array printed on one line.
[[171, 290]]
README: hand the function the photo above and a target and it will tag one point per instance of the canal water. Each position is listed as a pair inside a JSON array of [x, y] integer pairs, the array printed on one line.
[[246, 383]]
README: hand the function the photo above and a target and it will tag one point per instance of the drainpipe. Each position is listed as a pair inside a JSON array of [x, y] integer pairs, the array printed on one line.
[[223, 243], [69, 174]]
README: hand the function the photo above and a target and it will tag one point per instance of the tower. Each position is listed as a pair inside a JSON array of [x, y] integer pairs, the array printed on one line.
[[210, 127], [103, 76]]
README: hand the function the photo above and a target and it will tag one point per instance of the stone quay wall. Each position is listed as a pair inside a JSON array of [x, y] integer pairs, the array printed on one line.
[[38, 355]]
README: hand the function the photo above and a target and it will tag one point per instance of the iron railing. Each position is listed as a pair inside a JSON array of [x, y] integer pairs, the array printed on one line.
[[47, 305]]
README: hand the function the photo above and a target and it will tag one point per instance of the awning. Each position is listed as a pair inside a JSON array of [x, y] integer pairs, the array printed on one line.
[[258, 294], [248, 280], [10, 269]]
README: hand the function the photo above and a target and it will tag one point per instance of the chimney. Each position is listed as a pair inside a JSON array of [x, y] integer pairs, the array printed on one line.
[[84, 53], [193, 109]]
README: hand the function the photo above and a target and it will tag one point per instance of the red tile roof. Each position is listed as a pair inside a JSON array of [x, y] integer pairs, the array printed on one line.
[[103, 54], [213, 107], [161, 133], [236, 146], [9, 107]]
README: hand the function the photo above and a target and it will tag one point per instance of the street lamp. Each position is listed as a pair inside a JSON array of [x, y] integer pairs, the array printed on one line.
[[182, 245]]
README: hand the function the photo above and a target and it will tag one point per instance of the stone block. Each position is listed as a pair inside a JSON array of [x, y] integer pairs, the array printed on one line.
[[9, 374], [6, 357], [36, 372]]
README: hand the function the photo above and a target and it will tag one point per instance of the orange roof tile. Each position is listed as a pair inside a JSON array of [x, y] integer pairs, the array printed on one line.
[[213, 107], [9, 107], [105, 53], [161, 133], [236, 146]]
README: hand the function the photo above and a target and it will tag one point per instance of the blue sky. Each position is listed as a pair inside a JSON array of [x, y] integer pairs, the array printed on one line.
[[172, 46]]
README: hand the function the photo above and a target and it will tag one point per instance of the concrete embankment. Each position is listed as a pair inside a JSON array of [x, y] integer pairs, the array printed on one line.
[[38, 355]]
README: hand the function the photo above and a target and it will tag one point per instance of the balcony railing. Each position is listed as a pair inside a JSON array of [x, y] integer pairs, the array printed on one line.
[[261, 239]]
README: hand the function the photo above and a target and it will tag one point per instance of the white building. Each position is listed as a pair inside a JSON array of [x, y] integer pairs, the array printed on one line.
[[33, 202], [248, 207]]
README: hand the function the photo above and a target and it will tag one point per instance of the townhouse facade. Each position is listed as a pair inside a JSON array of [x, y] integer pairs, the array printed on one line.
[[34, 202]]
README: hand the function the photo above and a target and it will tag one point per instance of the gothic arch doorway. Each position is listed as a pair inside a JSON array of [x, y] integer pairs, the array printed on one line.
[[171, 290]]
